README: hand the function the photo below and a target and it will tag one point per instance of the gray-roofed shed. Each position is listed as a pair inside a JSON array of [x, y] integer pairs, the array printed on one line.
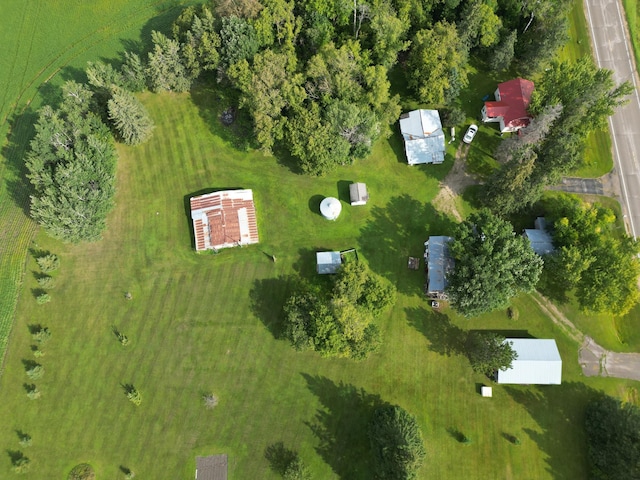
[[540, 240], [439, 263], [423, 136], [358, 194], [328, 262], [211, 468]]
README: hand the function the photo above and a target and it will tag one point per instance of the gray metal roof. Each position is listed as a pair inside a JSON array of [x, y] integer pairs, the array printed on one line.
[[358, 194], [328, 262], [540, 240], [423, 136], [538, 363], [439, 262], [211, 468]]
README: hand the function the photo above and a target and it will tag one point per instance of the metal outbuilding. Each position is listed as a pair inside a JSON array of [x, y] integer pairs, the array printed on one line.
[[538, 363]]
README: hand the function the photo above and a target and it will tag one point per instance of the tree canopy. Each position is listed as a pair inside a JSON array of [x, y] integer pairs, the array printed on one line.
[[613, 438], [599, 264], [71, 164], [492, 265], [396, 443], [489, 352], [339, 322]]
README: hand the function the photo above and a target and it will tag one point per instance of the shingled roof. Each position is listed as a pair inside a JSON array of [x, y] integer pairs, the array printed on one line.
[[511, 105], [211, 468], [224, 219]]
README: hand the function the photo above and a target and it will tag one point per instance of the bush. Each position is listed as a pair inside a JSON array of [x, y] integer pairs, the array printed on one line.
[[83, 471], [43, 298], [40, 334], [210, 400], [46, 281], [513, 313], [35, 371], [48, 263], [25, 439], [452, 117], [32, 392], [21, 464], [133, 394]]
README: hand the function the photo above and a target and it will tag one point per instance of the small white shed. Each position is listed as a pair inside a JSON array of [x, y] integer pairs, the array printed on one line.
[[538, 363]]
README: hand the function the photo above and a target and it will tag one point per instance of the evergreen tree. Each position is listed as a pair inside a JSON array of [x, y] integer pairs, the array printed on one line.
[[165, 68], [130, 118]]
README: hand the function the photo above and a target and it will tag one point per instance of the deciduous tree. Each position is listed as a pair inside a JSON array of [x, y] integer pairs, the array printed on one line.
[[492, 265], [489, 352]]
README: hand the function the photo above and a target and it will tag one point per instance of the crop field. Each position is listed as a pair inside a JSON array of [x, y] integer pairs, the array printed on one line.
[[210, 323]]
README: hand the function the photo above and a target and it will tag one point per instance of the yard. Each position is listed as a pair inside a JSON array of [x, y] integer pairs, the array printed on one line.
[[209, 323]]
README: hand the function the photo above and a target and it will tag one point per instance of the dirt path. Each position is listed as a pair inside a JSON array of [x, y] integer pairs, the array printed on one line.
[[453, 185], [594, 359]]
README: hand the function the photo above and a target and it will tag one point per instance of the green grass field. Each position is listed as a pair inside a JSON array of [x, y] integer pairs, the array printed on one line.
[[209, 323], [631, 14]]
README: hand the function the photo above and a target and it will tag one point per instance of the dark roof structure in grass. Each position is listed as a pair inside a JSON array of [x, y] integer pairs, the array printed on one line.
[[211, 468], [439, 263], [224, 219]]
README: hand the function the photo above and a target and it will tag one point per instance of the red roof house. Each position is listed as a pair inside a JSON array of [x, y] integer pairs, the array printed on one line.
[[224, 219], [511, 104]]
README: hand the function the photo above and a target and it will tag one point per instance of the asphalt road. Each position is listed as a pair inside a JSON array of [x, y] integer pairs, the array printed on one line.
[[612, 50]]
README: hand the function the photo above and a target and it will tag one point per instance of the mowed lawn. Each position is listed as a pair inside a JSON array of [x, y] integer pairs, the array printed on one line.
[[43, 44], [208, 323]]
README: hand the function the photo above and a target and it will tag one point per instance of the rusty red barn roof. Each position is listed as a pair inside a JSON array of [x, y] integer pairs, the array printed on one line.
[[224, 219]]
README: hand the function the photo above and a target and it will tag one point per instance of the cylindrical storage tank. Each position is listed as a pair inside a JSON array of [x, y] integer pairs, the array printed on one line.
[[330, 208]]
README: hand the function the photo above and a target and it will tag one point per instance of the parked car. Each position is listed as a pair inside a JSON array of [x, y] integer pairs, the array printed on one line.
[[471, 132]]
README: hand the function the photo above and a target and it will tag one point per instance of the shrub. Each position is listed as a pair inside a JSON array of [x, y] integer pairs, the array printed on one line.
[[43, 298], [32, 392], [35, 371], [133, 394], [21, 464], [513, 313], [25, 439], [41, 334], [46, 281], [37, 352], [48, 263], [83, 471], [210, 400]]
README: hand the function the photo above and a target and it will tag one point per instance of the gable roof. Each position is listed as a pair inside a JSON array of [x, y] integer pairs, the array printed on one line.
[[538, 363], [423, 136], [328, 262], [439, 262], [224, 219], [358, 194], [540, 240], [211, 468], [513, 102]]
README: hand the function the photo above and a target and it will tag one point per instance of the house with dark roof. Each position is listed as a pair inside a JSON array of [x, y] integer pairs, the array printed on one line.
[[539, 238], [211, 468], [438, 262], [224, 219], [423, 136], [510, 107], [538, 362]]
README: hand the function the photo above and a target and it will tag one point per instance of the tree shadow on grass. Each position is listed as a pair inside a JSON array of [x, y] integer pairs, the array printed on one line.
[[559, 412], [279, 457], [444, 337], [14, 151], [267, 297], [397, 231], [341, 426]]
